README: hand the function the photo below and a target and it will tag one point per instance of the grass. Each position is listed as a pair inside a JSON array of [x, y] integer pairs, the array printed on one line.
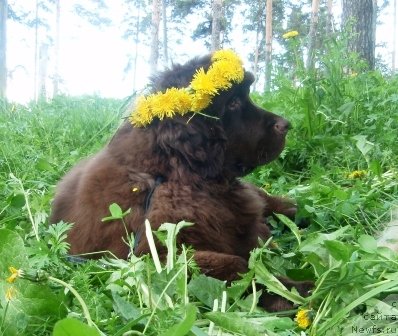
[[340, 164]]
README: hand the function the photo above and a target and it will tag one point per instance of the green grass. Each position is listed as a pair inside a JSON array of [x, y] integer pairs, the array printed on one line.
[[342, 123]]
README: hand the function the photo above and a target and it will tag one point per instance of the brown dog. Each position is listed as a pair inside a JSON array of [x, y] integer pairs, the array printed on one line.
[[181, 168]]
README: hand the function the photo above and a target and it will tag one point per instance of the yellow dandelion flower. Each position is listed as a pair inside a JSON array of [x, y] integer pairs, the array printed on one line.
[[202, 82], [228, 70], [15, 273], [181, 100], [162, 104], [290, 34], [10, 293], [220, 81], [303, 319], [200, 102], [142, 114], [226, 54], [356, 174]]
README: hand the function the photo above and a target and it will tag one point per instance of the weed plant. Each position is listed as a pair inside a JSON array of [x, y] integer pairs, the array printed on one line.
[[340, 164]]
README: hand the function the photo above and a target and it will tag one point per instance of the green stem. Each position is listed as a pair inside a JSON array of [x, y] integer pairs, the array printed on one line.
[[86, 312], [4, 317]]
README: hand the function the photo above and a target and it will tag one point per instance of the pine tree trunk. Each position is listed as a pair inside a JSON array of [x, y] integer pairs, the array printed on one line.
[[268, 46], [312, 34], [362, 16], [3, 48], [155, 23], [165, 38], [216, 24], [56, 48]]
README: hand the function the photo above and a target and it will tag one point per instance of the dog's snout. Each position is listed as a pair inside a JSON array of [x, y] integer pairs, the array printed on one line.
[[282, 126]]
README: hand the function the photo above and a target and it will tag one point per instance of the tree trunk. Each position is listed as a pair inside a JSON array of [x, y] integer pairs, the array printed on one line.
[[43, 67], [155, 23], [3, 48], [137, 42], [36, 51], [330, 23], [216, 25], [268, 45], [362, 16], [56, 78], [312, 34], [165, 38], [256, 52]]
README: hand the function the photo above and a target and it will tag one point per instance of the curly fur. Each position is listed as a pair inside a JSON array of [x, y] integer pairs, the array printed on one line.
[[200, 160]]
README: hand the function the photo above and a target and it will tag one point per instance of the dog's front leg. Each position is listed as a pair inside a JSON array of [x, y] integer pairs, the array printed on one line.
[[220, 265]]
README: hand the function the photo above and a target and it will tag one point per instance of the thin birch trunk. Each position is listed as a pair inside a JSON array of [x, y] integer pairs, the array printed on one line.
[[165, 37], [43, 67], [255, 65], [268, 46], [312, 34], [154, 58], [36, 51], [56, 78], [137, 41]]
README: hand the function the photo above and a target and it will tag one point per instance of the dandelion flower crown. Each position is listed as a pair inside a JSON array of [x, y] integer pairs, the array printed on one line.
[[226, 69]]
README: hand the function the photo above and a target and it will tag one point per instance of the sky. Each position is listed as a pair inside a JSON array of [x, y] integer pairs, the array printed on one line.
[[93, 60]]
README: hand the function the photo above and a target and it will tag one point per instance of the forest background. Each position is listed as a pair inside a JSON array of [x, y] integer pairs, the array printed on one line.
[[318, 63]]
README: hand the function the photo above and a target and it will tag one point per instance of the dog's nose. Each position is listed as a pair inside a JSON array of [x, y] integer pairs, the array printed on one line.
[[282, 126]]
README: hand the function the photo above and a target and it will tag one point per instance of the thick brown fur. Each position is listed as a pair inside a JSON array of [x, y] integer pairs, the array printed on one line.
[[199, 159]]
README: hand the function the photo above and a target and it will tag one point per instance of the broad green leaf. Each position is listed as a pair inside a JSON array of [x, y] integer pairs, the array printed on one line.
[[367, 243], [115, 210], [339, 250], [273, 285], [340, 194], [291, 225], [363, 144], [73, 327], [309, 209], [234, 323], [116, 213], [299, 274], [17, 201], [315, 240], [206, 289], [31, 300], [183, 327], [239, 287], [43, 165], [12, 252], [124, 308]]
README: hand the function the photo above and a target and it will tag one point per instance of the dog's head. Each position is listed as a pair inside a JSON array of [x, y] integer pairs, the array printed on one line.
[[230, 137]]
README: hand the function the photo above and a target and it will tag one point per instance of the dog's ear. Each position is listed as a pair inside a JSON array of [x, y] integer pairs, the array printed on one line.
[[198, 145]]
